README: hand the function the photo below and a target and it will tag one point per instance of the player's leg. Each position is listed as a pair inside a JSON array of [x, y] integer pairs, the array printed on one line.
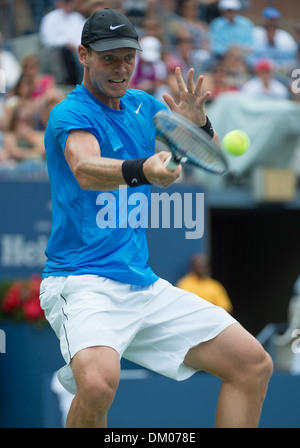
[[245, 368], [97, 373]]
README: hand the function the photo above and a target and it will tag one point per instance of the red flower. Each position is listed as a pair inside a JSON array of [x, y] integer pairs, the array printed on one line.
[[32, 309], [12, 299], [21, 300]]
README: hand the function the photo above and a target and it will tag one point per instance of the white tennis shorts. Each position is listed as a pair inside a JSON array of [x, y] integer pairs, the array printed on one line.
[[153, 326]]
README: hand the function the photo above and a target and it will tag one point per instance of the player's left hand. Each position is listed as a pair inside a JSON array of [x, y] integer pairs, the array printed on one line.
[[192, 100]]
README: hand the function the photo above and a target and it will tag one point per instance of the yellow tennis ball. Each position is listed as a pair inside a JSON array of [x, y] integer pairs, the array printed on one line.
[[236, 142]]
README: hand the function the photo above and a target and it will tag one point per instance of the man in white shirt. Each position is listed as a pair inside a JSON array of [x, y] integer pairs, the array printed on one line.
[[60, 29], [272, 42], [264, 83]]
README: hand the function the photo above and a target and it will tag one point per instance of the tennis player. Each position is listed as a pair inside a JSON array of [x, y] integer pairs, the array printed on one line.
[[100, 296]]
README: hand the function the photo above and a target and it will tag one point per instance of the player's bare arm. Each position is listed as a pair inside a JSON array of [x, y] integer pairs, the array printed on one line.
[[93, 172]]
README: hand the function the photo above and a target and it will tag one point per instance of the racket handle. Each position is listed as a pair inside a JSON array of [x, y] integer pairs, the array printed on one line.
[[171, 164]]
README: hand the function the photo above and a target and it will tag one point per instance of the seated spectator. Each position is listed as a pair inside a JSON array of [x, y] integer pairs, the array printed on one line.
[[36, 92], [20, 96], [264, 83], [189, 13], [152, 26], [21, 142], [238, 70], [218, 82], [199, 282], [168, 15], [231, 29], [19, 17], [44, 93], [41, 83], [272, 42], [188, 56], [150, 70], [60, 32]]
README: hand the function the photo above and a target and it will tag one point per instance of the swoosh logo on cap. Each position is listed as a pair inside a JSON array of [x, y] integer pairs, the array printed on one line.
[[116, 27]]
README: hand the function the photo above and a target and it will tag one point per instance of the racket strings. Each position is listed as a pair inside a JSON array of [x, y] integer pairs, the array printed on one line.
[[196, 151]]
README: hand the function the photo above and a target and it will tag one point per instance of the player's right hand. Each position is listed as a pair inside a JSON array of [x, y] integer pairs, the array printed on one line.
[[156, 172]]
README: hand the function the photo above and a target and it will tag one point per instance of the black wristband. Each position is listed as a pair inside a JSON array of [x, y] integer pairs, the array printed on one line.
[[208, 128], [133, 174]]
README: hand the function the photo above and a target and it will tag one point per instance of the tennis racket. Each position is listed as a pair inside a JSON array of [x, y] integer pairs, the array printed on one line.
[[188, 143]]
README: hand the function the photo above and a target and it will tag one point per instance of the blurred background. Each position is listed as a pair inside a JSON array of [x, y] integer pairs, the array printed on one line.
[[248, 51]]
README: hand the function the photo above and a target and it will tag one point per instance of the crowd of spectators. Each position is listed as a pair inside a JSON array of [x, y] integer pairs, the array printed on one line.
[[215, 37]]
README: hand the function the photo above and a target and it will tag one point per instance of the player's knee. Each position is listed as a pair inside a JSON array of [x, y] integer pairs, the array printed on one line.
[[256, 370], [101, 389], [262, 367], [98, 389]]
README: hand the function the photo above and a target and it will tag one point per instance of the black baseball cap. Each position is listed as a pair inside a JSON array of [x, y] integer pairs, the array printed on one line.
[[108, 29]]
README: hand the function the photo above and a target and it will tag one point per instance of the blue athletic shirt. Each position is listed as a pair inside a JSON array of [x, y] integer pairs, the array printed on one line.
[[78, 244]]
